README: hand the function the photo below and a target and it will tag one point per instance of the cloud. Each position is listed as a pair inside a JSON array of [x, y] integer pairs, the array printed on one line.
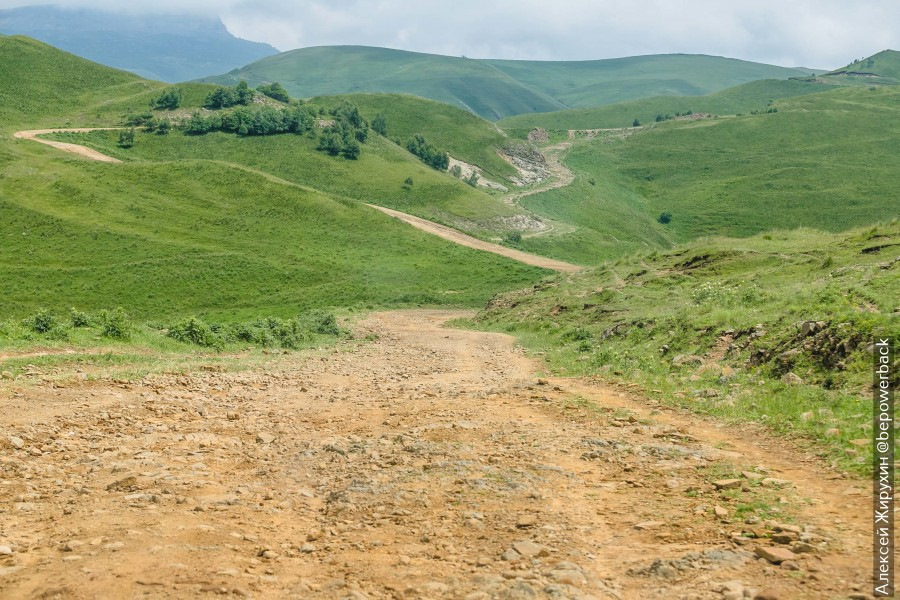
[[817, 33]]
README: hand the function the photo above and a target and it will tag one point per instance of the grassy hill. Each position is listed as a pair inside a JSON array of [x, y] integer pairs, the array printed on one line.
[[212, 224], [747, 97], [823, 160], [39, 84], [378, 177], [881, 68], [464, 135], [470, 84], [495, 89], [716, 325], [186, 237]]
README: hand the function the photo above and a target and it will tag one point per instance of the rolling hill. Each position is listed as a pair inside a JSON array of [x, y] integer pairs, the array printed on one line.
[[206, 224], [164, 47], [495, 89], [881, 68], [821, 160], [747, 97]]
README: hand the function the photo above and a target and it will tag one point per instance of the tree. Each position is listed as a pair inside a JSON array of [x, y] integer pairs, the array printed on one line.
[[275, 91], [379, 124], [126, 138], [243, 94], [665, 218], [221, 97], [635, 123], [331, 141], [170, 99], [351, 149]]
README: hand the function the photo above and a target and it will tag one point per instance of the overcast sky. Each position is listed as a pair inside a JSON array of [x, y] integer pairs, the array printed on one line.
[[811, 33]]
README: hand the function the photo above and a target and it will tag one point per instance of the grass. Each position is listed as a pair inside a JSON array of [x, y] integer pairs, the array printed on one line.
[[377, 177], [494, 89], [179, 238], [739, 303], [824, 160], [756, 95]]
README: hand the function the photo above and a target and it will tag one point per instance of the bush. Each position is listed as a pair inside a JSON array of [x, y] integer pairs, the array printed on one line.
[[114, 324], [79, 319], [321, 322], [431, 156], [170, 99], [665, 218], [40, 322], [275, 91], [126, 138], [379, 124], [513, 237], [195, 331]]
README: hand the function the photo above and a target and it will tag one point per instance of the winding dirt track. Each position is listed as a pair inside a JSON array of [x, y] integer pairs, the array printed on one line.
[[441, 231], [448, 233], [427, 464]]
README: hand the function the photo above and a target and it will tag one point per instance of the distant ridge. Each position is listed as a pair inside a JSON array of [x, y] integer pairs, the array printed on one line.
[[162, 47], [495, 89]]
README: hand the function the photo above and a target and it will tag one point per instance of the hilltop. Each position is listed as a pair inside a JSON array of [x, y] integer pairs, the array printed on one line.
[[495, 89], [162, 47], [881, 68]]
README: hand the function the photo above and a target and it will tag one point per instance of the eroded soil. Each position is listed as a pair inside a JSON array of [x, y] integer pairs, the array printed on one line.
[[428, 463]]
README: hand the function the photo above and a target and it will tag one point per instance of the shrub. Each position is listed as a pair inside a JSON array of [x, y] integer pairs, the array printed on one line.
[[513, 237], [379, 124], [79, 319], [665, 218], [114, 324], [456, 171], [170, 99], [40, 322], [194, 331], [275, 91], [431, 156]]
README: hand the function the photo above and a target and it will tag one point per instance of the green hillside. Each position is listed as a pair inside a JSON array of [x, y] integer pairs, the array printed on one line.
[[39, 82], [882, 68], [470, 84], [377, 177], [186, 237], [495, 89], [747, 97], [232, 227], [464, 135], [823, 160], [598, 82], [716, 325]]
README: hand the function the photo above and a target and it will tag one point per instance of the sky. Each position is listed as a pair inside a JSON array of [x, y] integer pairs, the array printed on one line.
[[810, 33]]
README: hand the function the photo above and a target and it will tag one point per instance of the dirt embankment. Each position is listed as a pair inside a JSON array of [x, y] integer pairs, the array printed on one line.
[[66, 147], [429, 463]]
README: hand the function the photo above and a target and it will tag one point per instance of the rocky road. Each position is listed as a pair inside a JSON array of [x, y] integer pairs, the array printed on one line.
[[427, 463]]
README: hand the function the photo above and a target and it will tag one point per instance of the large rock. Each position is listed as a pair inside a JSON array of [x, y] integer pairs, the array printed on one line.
[[774, 554]]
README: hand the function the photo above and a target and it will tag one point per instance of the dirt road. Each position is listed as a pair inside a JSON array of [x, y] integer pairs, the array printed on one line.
[[453, 235], [429, 463], [66, 147]]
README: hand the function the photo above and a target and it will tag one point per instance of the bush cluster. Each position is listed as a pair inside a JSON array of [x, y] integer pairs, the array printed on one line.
[[224, 97], [429, 155], [269, 332], [276, 91]]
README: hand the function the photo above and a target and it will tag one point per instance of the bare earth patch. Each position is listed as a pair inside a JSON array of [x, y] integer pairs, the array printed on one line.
[[429, 463]]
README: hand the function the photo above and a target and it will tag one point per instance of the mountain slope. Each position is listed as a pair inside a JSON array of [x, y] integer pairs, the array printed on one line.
[[167, 48], [747, 97], [883, 67], [38, 81], [495, 89]]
